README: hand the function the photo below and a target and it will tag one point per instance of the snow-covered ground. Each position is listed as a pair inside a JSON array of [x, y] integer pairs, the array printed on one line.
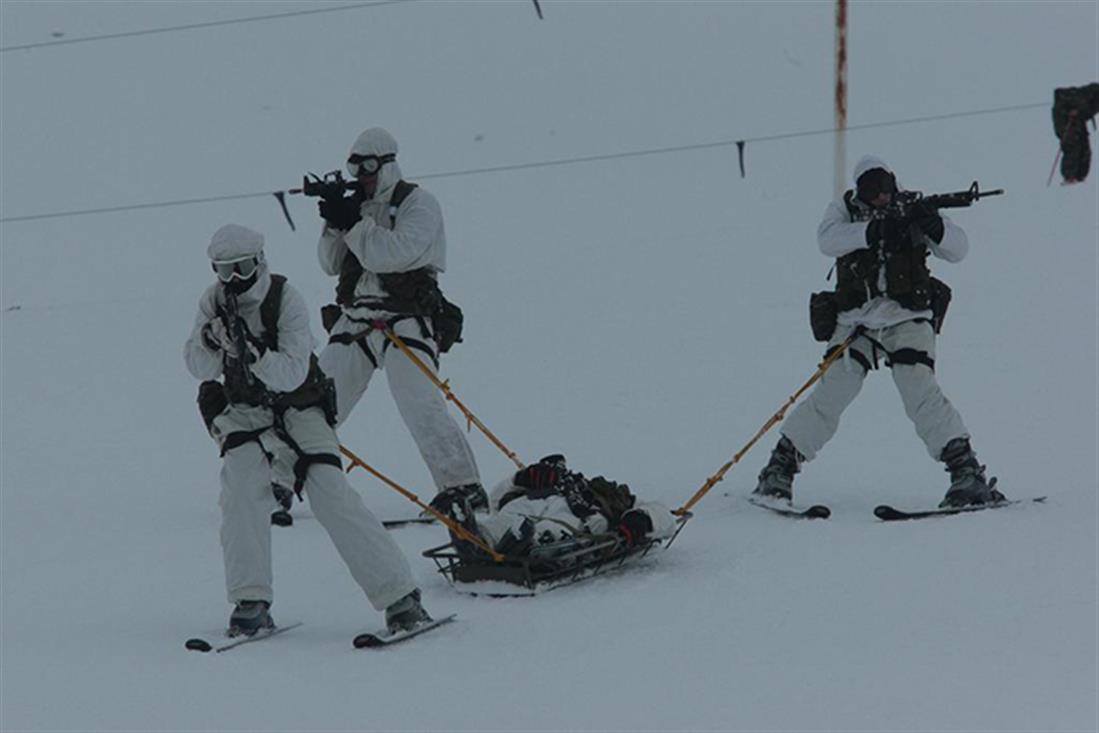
[[642, 315]]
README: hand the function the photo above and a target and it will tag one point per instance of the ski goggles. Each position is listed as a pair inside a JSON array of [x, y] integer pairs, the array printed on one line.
[[367, 165], [241, 268]]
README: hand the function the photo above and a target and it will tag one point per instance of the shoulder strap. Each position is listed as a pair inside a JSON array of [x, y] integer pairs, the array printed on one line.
[[400, 193], [269, 311], [848, 201]]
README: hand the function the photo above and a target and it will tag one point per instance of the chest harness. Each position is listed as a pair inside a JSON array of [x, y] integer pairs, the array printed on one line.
[[907, 279], [317, 390], [410, 295]]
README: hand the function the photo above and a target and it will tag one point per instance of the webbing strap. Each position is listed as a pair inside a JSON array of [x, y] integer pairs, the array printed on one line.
[[308, 460], [905, 356], [305, 460], [911, 357], [383, 325], [419, 346], [240, 437], [858, 356], [301, 466]]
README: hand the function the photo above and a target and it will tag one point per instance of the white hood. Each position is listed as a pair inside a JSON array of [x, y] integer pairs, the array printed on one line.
[[866, 163], [378, 141]]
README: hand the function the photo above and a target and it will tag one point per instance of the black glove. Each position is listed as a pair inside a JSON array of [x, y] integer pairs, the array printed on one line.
[[213, 333], [884, 231], [538, 476], [340, 213], [929, 221], [633, 526]]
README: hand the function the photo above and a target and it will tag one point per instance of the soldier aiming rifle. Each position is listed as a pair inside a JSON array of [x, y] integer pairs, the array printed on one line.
[[272, 419], [881, 237]]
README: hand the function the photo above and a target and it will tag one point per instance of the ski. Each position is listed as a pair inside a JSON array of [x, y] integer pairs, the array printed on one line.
[[785, 509], [372, 640], [396, 523], [201, 645], [888, 513]]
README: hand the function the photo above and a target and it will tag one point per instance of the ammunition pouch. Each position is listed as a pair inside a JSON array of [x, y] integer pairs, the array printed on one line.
[[413, 293], [350, 272], [447, 322], [823, 314], [211, 401], [318, 390], [329, 315], [940, 301]]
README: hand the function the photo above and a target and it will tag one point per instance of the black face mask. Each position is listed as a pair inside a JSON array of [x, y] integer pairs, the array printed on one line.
[[873, 182], [239, 287]]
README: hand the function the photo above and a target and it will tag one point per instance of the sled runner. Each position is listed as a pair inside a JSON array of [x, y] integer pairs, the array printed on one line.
[[547, 566]]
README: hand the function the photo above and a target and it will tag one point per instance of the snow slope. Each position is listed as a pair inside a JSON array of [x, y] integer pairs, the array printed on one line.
[[643, 315]]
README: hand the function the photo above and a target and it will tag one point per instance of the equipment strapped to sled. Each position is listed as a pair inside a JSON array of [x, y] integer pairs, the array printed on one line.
[[546, 566]]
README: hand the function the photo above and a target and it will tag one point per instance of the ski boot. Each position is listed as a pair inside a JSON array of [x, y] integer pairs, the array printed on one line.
[[456, 500], [461, 503], [406, 614], [776, 480], [285, 498], [249, 617], [517, 541], [967, 477]]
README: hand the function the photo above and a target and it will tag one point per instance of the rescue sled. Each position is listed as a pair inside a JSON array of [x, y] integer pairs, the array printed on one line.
[[547, 566]]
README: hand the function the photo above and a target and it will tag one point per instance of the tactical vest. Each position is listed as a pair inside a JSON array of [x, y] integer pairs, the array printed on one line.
[[413, 293], [351, 269], [313, 392], [903, 255]]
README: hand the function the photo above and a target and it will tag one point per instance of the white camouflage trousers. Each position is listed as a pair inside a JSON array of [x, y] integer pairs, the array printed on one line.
[[374, 559], [423, 408], [815, 420]]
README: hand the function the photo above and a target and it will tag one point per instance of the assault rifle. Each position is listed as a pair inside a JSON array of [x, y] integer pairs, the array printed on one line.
[[240, 339], [331, 187], [905, 203]]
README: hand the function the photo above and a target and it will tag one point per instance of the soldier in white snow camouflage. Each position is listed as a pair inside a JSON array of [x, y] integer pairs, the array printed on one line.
[[885, 290], [270, 418], [387, 245]]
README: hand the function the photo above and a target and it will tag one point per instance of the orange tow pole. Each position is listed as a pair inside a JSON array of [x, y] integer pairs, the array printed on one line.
[[684, 511], [450, 523], [471, 419]]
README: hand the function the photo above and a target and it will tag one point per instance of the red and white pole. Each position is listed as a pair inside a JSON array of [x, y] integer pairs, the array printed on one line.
[[840, 157]]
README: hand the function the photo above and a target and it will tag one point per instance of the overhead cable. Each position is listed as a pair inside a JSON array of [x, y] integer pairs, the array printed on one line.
[[194, 26], [740, 143]]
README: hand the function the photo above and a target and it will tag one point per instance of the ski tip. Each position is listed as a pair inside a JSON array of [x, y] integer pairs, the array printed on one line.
[[818, 511], [370, 640], [282, 518], [886, 513], [367, 641], [198, 645]]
